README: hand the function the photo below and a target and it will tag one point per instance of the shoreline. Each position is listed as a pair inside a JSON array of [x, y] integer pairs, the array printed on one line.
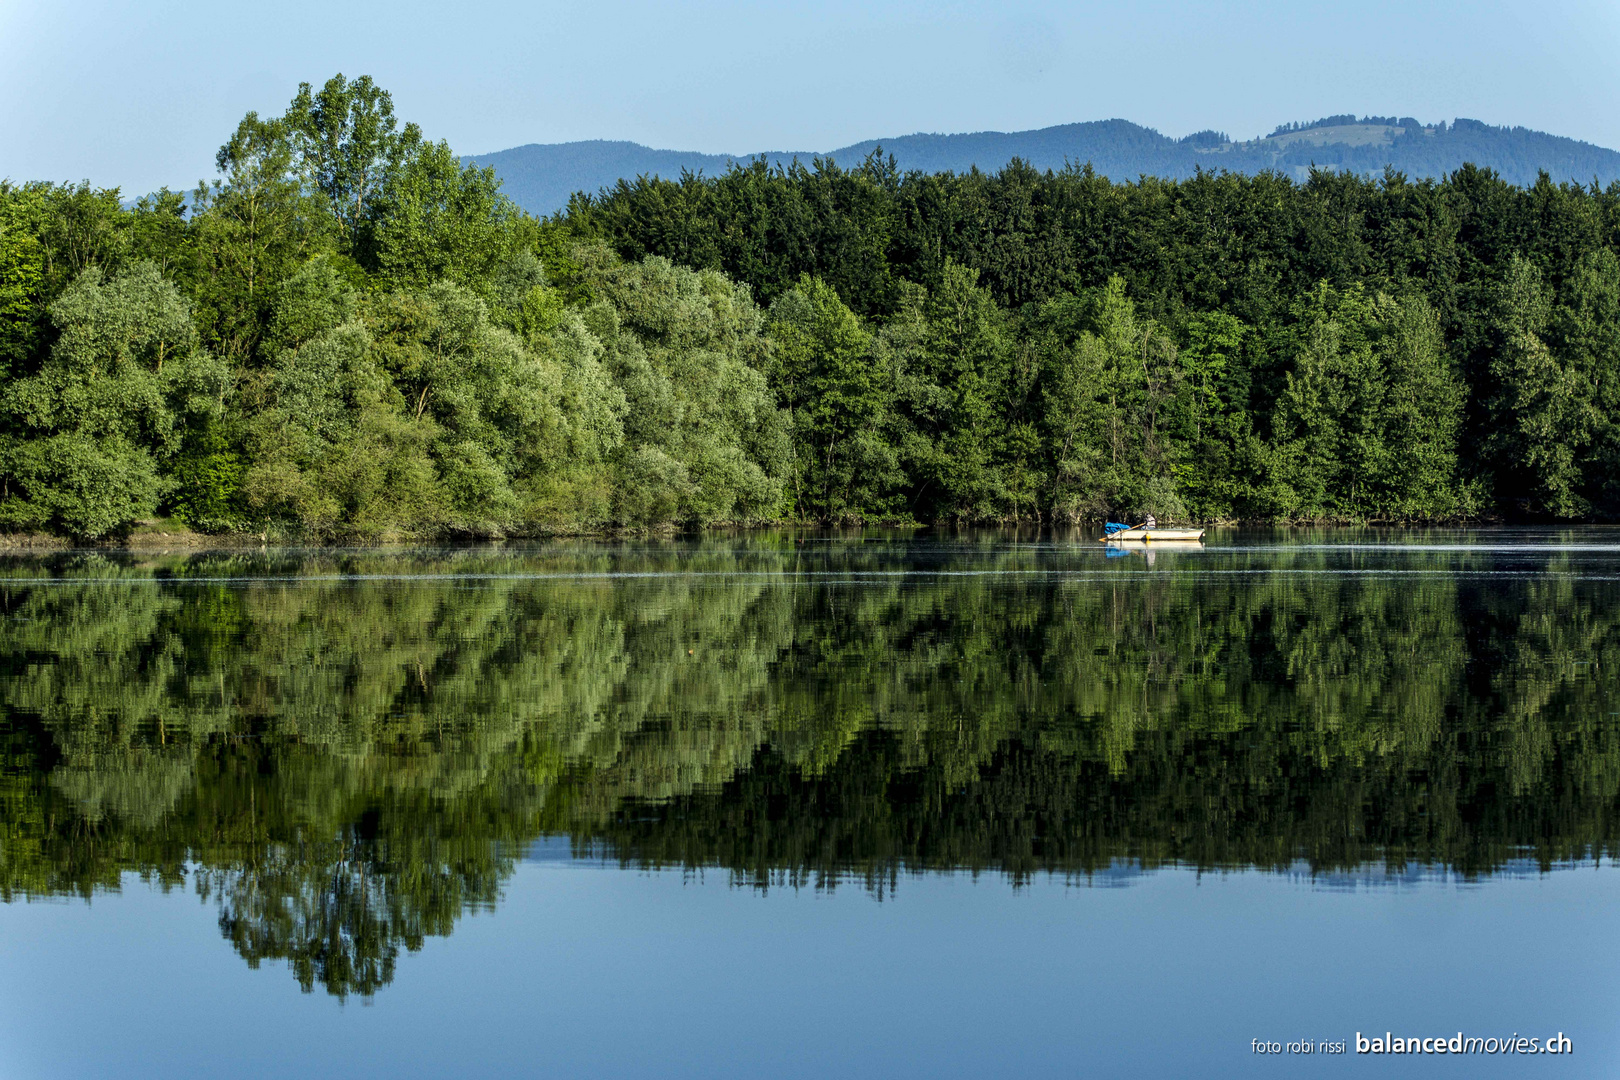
[[149, 539]]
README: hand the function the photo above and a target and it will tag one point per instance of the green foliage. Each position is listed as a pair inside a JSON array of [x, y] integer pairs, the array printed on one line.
[[1224, 267], [954, 389], [402, 351], [439, 221], [1556, 371], [1367, 425], [701, 426], [207, 475], [81, 227], [253, 228], [346, 145], [838, 389], [124, 380], [1112, 383], [22, 276]]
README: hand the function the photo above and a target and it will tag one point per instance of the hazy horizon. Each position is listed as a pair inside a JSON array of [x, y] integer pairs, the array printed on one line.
[[1235, 136], [140, 97]]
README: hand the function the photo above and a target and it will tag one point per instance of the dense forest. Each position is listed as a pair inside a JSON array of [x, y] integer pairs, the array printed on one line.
[[349, 332], [341, 762]]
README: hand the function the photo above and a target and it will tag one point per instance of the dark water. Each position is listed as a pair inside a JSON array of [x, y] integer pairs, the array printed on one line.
[[799, 805]]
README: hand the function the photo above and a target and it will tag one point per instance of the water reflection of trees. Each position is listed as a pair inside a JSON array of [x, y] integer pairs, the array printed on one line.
[[344, 766]]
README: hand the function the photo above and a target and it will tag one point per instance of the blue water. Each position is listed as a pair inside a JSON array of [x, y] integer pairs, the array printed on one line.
[[763, 807], [591, 970]]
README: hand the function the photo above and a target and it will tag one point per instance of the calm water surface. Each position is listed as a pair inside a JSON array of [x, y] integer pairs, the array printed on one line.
[[807, 805]]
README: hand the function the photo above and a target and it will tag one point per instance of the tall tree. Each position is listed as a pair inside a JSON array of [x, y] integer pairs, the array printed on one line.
[[838, 391], [1542, 410], [1367, 426], [253, 225], [347, 145]]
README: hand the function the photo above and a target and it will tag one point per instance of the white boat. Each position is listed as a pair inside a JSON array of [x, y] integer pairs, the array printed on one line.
[[1143, 534]]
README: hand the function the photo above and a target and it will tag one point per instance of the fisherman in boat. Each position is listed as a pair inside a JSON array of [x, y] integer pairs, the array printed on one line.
[[1151, 522]]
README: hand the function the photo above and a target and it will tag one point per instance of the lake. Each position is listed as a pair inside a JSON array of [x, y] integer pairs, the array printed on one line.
[[805, 804]]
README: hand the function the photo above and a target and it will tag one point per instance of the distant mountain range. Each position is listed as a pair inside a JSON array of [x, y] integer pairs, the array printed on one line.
[[541, 177]]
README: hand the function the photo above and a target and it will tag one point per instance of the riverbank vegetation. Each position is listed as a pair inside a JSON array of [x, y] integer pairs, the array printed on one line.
[[348, 333]]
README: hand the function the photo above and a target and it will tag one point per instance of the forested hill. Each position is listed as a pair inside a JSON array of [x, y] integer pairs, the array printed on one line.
[[540, 178]]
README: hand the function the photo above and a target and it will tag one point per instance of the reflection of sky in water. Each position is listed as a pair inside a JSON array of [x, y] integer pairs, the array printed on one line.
[[602, 972]]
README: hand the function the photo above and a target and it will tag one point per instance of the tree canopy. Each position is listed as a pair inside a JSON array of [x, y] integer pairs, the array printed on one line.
[[351, 332]]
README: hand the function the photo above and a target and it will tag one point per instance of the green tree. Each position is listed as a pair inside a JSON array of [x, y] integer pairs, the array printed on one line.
[[838, 393], [124, 379], [953, 387], [329, 446], [1584, 330], [1220, 452], [1111, 383], [253, 228], [437, 221], [1367, 426], [1542, 411], [347, 147], [22, 276], [704, 439]]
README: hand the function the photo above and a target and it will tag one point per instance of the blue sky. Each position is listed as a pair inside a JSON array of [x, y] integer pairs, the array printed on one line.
[[139, 95]]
